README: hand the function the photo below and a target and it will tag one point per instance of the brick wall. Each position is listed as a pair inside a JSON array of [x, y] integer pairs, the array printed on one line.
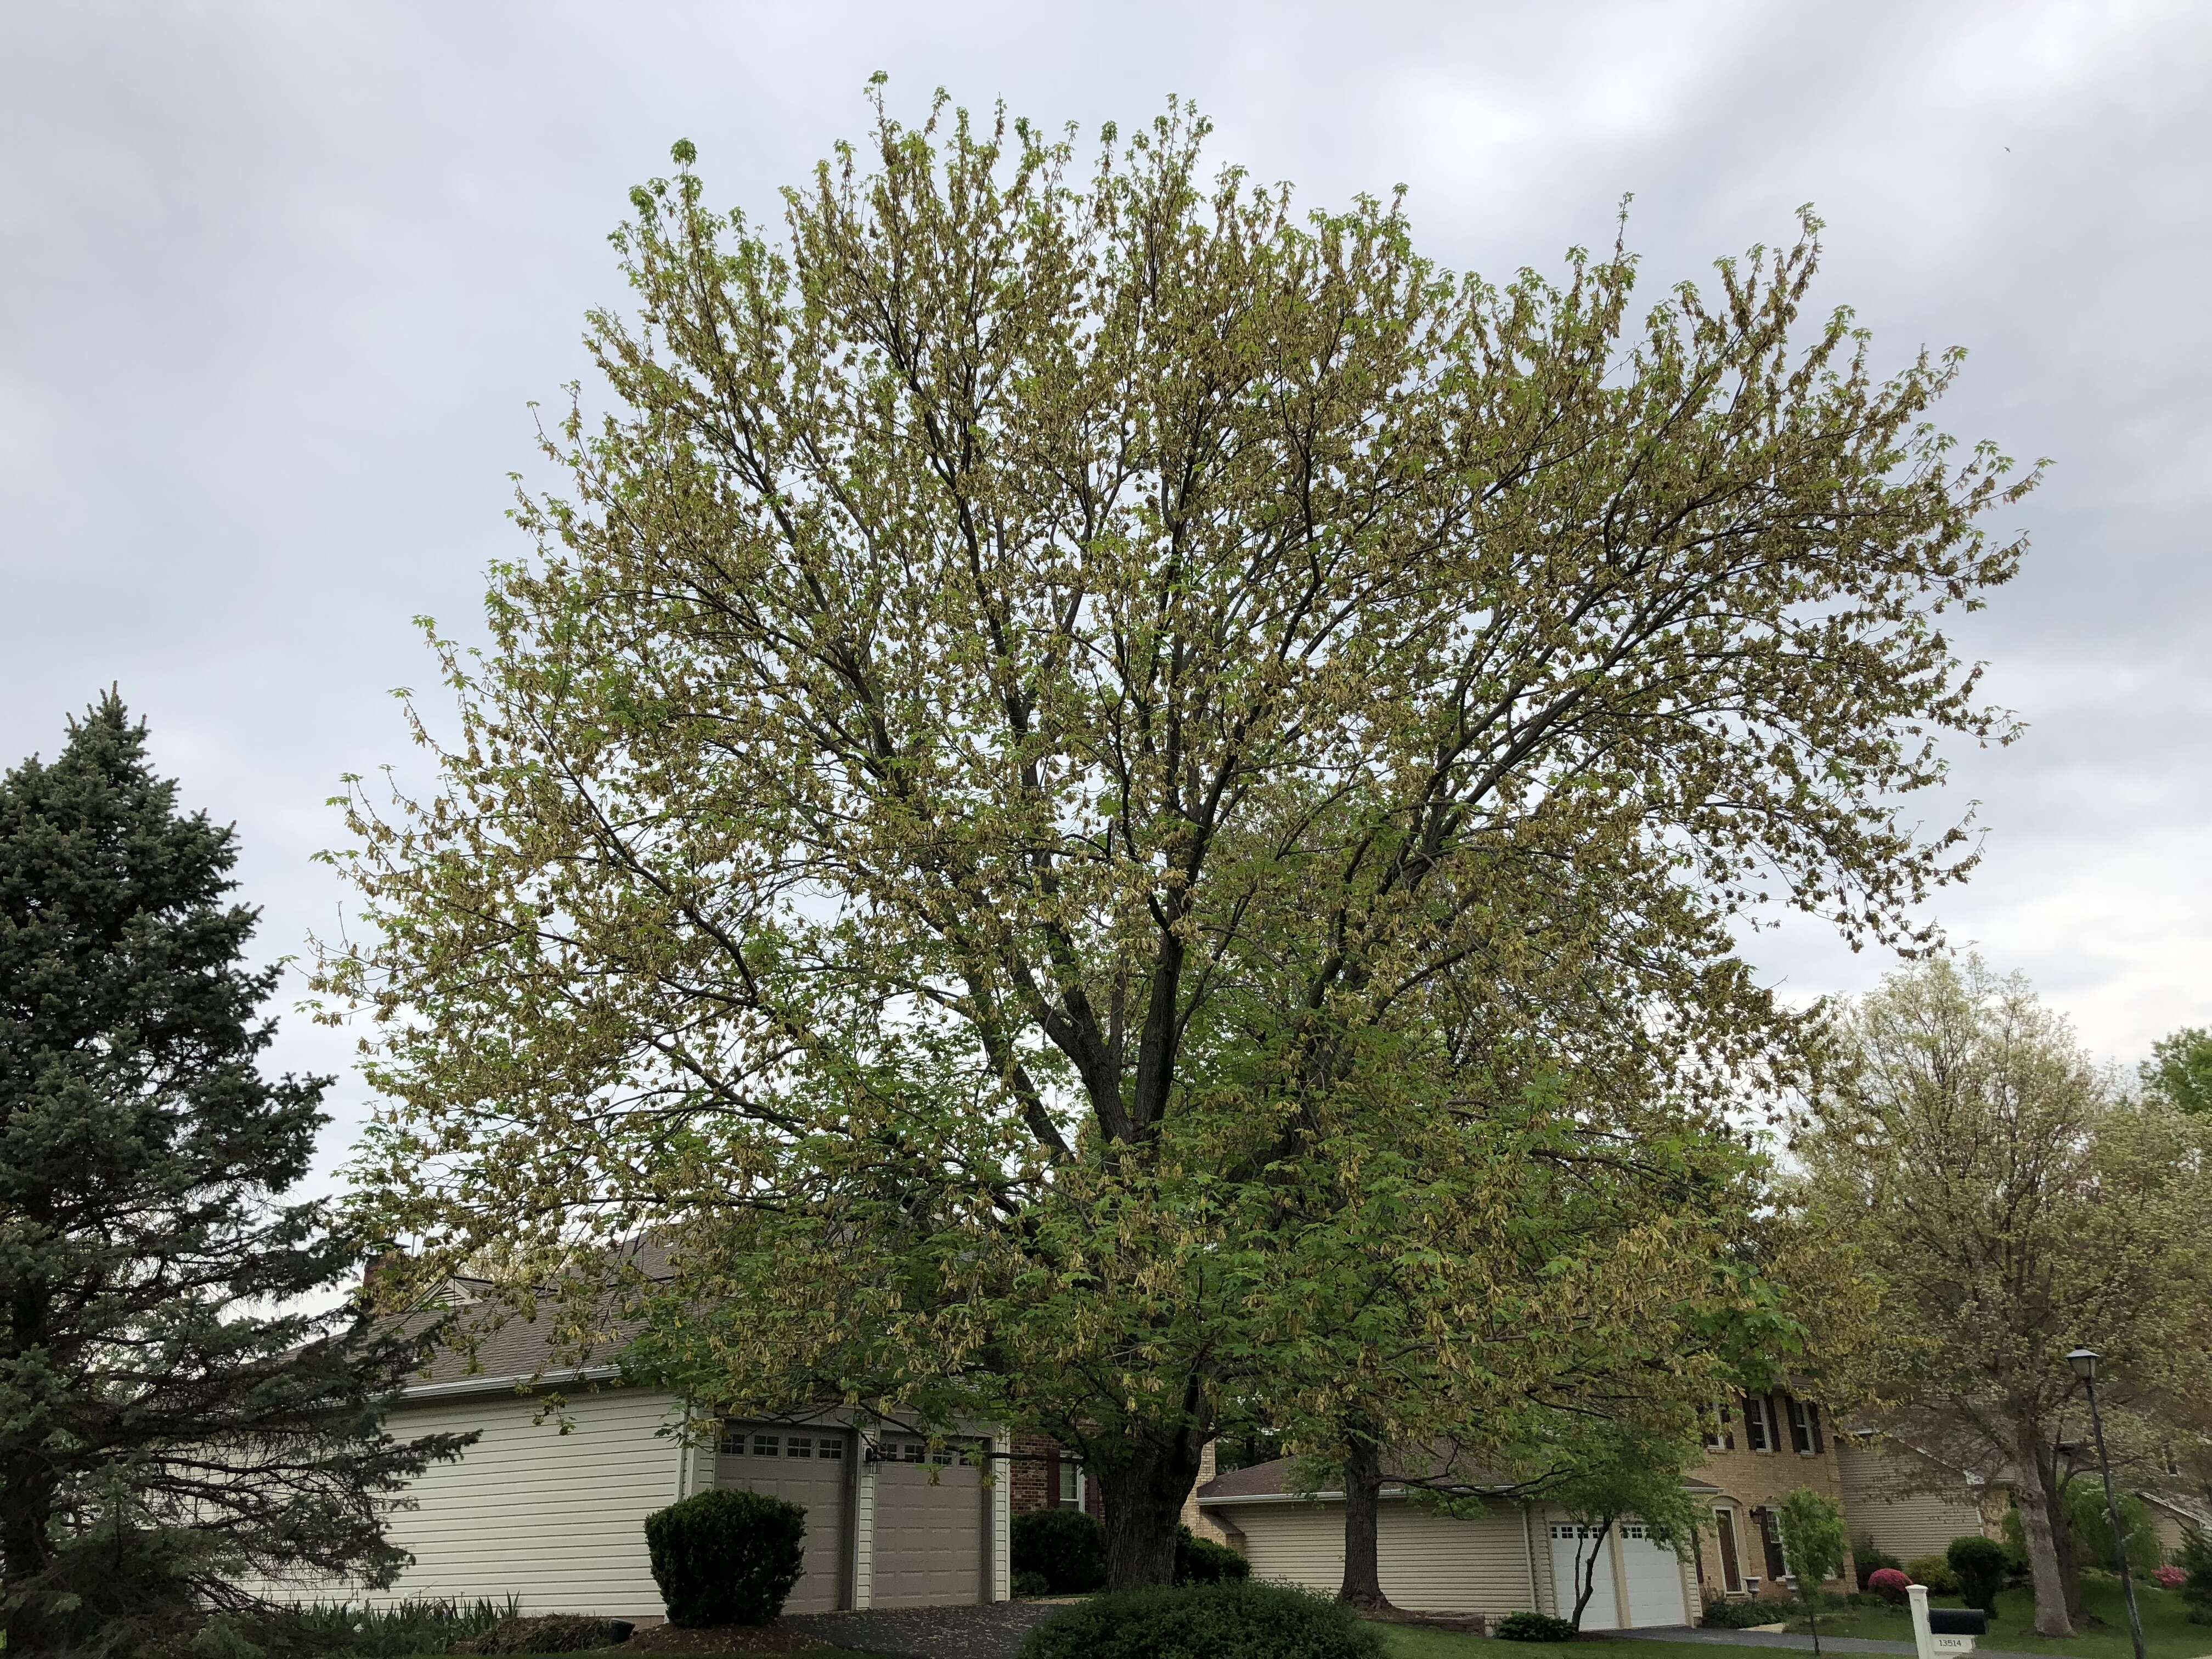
[[1749, 1481]]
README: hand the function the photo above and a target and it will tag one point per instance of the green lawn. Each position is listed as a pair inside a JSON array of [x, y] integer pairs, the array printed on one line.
[[2167, 1633], [1410, 1642]]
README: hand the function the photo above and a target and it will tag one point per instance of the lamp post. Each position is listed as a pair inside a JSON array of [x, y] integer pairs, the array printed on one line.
[[2084, 1364]]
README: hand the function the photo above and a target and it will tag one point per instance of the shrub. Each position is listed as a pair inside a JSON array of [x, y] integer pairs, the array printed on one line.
[[725, 1558], [1202, 1561], [1741, 1615], [2195, 1560], [1979, 1562], [2171, 1578], [1220, 1622], [552, 1632], [412, 1626], [1066, 1548], [1533, 1627], [1890, 1583], [1869, 1560], [1935, 1571]]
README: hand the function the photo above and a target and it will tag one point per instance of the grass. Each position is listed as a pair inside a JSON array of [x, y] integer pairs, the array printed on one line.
[[2167, 1633], [1412, 1641]]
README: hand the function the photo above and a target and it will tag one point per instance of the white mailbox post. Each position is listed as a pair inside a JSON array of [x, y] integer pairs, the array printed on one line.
[[1943, 1632]]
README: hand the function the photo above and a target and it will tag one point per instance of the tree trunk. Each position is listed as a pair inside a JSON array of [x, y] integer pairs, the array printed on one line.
[[2034, 1504], [1586, 1580], [1363, 1497], [1144, 1487], [2068, 1543]]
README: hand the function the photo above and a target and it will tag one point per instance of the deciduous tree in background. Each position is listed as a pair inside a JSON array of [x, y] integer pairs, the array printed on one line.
[[2012, 1208], [171, 1426], [2179, 1070], [1035, 690], [1812, 1546]]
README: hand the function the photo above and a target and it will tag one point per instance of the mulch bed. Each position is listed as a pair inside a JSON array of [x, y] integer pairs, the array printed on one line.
[[778, 1638], [991, 1629]]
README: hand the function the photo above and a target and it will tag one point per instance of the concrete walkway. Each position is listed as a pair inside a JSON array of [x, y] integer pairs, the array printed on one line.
[[1775, 1638]]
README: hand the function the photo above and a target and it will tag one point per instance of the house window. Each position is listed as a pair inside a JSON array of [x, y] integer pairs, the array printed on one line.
[[1731, 1567], [764, 1445], [1720, 1436], [1801, 1425], [1758, 1422], [2172, 1463], [830, 1448], [798, 1445], [1070, 1485], [1770, 1535]]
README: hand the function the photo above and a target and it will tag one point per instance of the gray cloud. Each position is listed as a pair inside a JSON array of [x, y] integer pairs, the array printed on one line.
[[281, 279]]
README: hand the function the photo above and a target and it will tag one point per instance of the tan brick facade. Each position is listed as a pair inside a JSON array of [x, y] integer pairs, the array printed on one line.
[[1749, 1482]]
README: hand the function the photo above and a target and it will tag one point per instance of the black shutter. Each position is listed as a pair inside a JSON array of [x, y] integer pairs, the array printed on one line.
[[1812, 1418], [1755, 1422], [1770, 1535]]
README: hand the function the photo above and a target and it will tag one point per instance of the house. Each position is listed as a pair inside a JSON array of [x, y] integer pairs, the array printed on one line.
[[1526, 1556], [1909, 1500], [549, 1503]]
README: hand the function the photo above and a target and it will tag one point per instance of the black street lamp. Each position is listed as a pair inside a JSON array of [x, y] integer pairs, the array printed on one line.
[[2084, 1362]]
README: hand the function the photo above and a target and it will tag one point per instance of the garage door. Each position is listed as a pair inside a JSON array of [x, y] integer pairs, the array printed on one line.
[[930, 1525], [1652, 1570], [809, 1467], [1573, 1546]]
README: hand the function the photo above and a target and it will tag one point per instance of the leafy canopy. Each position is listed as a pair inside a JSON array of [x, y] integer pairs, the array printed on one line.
[[1064, 724]]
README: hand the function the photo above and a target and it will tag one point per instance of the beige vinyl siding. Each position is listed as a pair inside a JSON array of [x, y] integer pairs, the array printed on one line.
[[556, 1519], [1432, 1563], [1428, 1562], [1292, 1543], [1903, 1523]]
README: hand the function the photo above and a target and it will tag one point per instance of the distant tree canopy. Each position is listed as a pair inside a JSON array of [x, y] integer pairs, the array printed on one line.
[[1077, 747], [2179, 1070], [171, 1426], [2012, 1207]]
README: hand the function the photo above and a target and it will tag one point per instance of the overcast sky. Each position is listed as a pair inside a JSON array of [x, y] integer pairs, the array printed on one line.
[[281, 280]]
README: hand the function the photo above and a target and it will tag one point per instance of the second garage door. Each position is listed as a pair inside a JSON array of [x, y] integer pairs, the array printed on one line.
[[931, 1513], [808, 1465]]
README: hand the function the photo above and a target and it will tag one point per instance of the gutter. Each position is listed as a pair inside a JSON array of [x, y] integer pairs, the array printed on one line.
[[523, 1384]]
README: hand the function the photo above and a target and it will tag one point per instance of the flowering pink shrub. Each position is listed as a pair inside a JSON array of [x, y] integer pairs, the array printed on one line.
[[2169, 1578], [1888, 1583]]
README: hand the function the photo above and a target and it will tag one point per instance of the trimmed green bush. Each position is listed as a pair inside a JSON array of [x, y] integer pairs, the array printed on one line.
[[549, 1633], [1066, 1548], [725, 1558], [2194, 1557], [1533, 1627], [1980, 1564], [1935, 1571], [1217, 1621], [1028, 1586], [1723, 1614], [1202, 1561]]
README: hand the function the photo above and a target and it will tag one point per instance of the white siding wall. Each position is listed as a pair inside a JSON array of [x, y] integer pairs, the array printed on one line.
[[1905, 1524], [1428, 1562], [557, 1519]]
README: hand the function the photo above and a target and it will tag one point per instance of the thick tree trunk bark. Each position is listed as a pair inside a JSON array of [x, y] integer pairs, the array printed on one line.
[[2035, 1505], [1363, 1497], [2069, 1544], [1143, 1489]]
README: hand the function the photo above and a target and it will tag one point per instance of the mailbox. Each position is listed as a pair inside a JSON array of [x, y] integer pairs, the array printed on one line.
[[1943, 1632], [1953, 1630]]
